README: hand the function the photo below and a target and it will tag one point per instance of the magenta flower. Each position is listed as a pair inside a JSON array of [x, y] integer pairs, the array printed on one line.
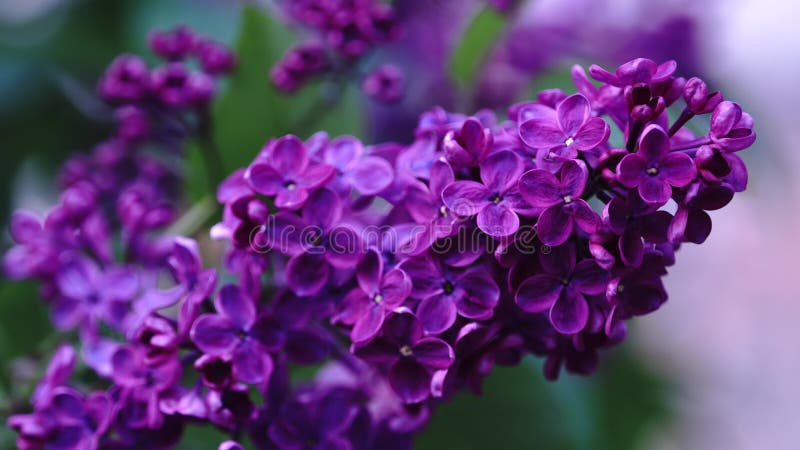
[[562, 288], [233, 332], [562, 199], [468, 146], [377, 294], [286, 173], [572, 129], [411, 358], [653, 169], [367, 174], [446, 292], [639, 70], [425, 205], [731, 129], [495, 200]]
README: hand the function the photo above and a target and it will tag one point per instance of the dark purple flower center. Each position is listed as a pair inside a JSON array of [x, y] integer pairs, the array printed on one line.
[[496, 199], [448, 287]]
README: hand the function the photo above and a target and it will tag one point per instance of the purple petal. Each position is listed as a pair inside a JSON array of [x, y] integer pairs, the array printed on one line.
[[73, 280], [288, 156], [589, 278], [307, 273], [433, 353], [378, 351], [235, 306], [570, 313], [251, 363], [501, 171], [403, 326], [698, 226], [573, 178], [630, 170], [370, 271], [214, 334], [67, 312], [678, 169], [554, 226], [498, 220], [410, 380], [344, 248], [128, 369], [437, 314], [441, 176], [593, 133], [653, 144], [655, 190], [538, 293], [395, 288], [541, 133], [465, 198], [426, 277], [602, 75], [584, 216], [315, 176], [264, 179], [540, 188], [24, 227], [560, 261], [368, 324], [631, 248], [370, 175], [323, 209], [481, 295], [342, 151], [725, 116], [572, 112], [291, 198]]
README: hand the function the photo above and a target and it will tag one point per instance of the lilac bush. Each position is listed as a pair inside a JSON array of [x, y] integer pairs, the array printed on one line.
[[399, 274]]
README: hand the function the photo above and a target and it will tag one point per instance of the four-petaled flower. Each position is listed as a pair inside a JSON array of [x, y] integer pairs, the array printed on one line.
[[570, 130], [285, 172], [411, 358], [495, 200], [562, 199], [561, 289], [653, 169]]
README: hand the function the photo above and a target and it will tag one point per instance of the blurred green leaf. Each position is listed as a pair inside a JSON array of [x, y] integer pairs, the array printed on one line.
[[475, 44], [252, 110], [612, 410], [24, 323]]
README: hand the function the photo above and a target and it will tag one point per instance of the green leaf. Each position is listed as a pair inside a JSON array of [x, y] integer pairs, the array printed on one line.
[[475, 45], [252, 110]]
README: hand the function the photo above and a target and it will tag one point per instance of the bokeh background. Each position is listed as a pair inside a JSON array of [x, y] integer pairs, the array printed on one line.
[[715, 368]]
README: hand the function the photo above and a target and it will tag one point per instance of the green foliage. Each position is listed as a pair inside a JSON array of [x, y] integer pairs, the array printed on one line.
[[475, 45], [519, 410]]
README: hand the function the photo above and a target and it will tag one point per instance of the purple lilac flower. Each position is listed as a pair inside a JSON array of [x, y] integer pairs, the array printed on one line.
[[570, 131], [368, 174], [562, 288], [468, 146], [386, 84], [366, 306], [411, 358], [125, 80], [561, 198], [173, 45], [495, 199], [653, 169], [286, 173], [446, 292], [233, 331]]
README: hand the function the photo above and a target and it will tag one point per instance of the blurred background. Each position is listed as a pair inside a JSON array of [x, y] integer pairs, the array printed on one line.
[[715, 368]]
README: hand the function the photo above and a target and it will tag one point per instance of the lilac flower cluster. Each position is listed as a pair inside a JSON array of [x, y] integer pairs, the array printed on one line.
[[404, 273], [343, 33]]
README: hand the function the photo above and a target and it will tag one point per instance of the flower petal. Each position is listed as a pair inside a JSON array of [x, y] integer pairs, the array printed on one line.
[[251, 363], [465, 198], [288, 156], [554, 226], [589, 278], [541, 133], [307, 273], [369, 272], [572, 112], [395, 288], [630, 170], [573, 178], [214, 334], [540, 188], [678, 169], [593, 133], [232, 303], [498, 220], [570, 313], [264, 179], [368, 324], [437, 314], [501, 171], [323, 209], [410, 380], [655, 190], [370, 175], [538, 293], [433, 353], [653, 144]]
